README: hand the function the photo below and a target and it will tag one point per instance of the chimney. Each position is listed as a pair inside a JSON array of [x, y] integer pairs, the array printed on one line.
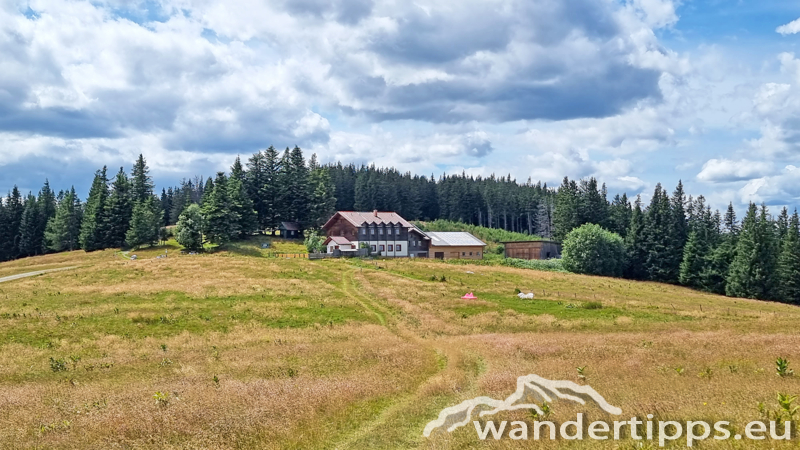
[[375, 212]]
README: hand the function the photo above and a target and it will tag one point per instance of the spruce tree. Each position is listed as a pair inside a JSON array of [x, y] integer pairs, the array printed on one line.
[[752, 272], [189, 229], [119, 210], [14, 208], [145, 223], [63, 229], [47, 210], [243, 215], [566, 217], [788, 287], [141, 182], [29, 242], [5, 233], [272, 193], [635, 244], [94, 227], [219, 228], [256, 185], [659, 238], [323, 203], [697, 250]]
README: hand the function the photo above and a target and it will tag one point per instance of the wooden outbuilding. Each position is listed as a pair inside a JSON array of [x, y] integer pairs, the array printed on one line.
[[290, 230], [542, 249]]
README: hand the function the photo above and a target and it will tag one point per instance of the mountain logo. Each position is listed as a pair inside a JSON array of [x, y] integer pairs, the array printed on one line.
[[531, 389]]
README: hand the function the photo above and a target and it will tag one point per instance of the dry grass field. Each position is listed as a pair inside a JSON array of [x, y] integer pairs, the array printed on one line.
[[233, 350]]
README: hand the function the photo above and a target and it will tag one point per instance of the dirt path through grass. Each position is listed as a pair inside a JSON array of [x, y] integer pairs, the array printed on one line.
[[449, 367], [33, 274]]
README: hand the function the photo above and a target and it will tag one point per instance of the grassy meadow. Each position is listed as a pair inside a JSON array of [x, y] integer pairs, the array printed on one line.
[[235, 350]]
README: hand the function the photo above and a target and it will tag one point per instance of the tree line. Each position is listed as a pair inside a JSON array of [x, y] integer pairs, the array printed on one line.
[[674, 239], [680, 240]]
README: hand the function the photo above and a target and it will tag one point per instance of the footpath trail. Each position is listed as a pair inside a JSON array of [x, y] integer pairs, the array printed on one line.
[[33, 274]]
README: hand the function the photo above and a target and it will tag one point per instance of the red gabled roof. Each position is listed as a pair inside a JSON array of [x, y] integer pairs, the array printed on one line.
[[339, 240], [381, 217]]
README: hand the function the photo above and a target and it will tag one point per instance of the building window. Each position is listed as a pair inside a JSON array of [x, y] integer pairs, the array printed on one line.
[[479, 253], [380, 231], [398, 247], [470, 253], [397, 231], [373, 248], [382, 248], [463, 253], [391, 248], [372, 231]]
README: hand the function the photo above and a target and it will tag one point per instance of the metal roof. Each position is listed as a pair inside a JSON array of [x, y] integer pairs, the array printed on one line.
[[453, 239], [290, 226]]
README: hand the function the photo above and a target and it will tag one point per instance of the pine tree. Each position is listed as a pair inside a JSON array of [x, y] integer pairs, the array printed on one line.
[[29, 242], [272, 191], [678, 233], [141, 182], [189, 229], [94, 227], [145, 223], [243, 215], [752, 272], [789, 263], [782, 224], [256, 185], [119, 210], [566, 217], [635, 244], [47, 210], [619, 219], [323, 203], [5, 233], [697, 250], [658, 238], [730, 223], [217, 218], [14, 208], [63, 229]]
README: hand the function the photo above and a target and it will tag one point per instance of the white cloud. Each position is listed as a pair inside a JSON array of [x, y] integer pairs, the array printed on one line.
[[780, 189], [792, 27], [726, 170]]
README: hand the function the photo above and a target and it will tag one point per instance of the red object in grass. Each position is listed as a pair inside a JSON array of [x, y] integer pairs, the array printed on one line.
[[469, 296]]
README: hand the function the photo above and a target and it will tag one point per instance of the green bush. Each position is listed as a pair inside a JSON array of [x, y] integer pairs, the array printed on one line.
[[188, 231], [592, 250]]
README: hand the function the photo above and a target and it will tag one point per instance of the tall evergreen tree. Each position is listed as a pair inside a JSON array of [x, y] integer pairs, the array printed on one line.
[[788, 288], [47, 210], [63, 229], [189, 229], [272, 190], [243, 215], [14, 208], [119, 210], [635, 244], [566, 217], [145, 223], [219, 226], [752, 272], [659, 238], [95, 224], [256, 185], [322, 204], [29, 242], [141, 182]]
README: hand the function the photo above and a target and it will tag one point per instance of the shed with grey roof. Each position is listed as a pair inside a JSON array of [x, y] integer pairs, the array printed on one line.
[[454, 245]]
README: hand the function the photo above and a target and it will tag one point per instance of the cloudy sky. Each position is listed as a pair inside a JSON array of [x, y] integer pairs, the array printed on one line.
[[631, 91]]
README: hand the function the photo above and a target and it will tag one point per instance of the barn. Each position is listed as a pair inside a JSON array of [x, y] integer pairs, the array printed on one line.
[[542, 249], [454, 245], [290, 230]]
